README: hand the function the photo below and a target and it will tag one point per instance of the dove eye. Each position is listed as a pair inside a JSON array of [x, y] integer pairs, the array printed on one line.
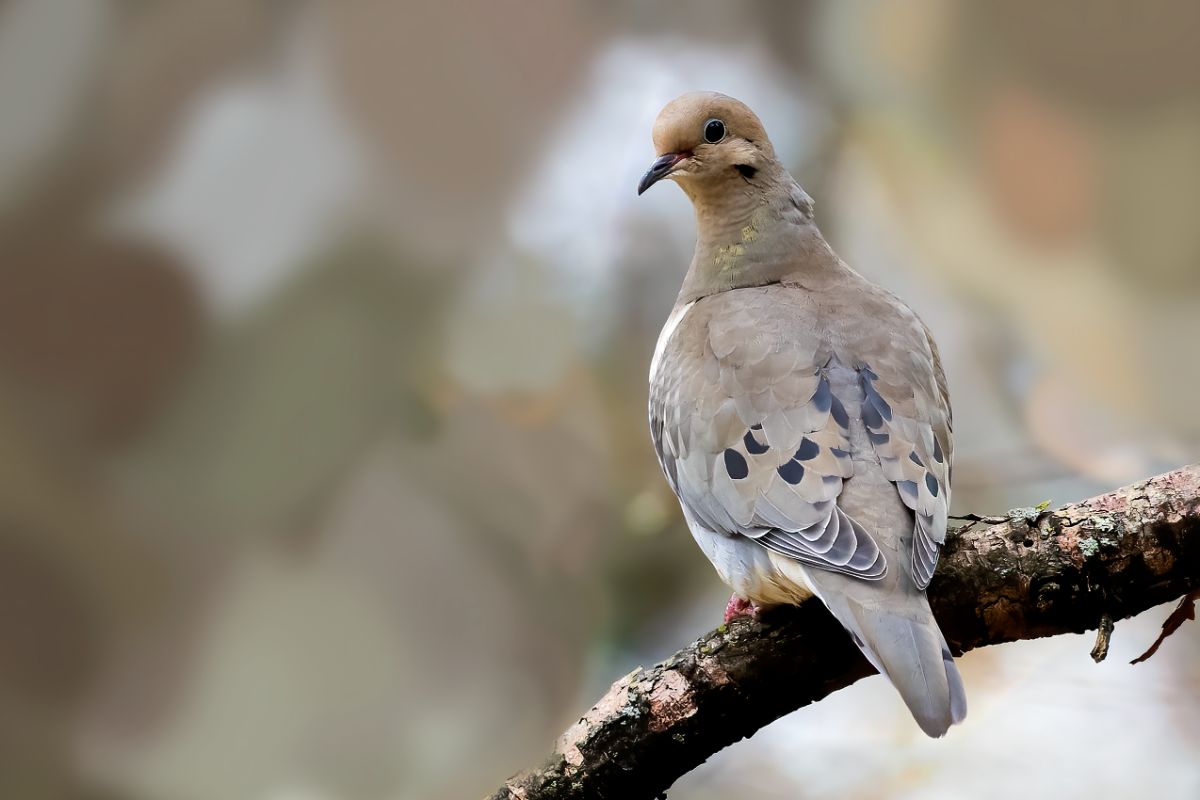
[[714, 131]]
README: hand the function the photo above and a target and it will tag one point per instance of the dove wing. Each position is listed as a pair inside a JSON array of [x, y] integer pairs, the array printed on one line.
[[906, 411], [753, 433]]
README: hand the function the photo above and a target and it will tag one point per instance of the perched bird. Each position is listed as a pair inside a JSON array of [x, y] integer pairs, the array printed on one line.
[[799, 411]]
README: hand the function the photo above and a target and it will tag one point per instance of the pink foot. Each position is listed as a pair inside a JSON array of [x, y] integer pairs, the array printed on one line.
[[737, 607]]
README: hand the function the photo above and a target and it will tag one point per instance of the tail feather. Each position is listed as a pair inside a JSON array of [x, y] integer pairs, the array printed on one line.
[[904, 643], [958, 694], [914, 657]]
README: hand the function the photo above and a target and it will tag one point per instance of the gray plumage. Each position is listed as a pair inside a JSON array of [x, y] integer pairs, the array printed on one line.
[[800, 413]]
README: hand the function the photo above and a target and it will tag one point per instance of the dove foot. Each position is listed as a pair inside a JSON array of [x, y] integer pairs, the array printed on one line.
[[737, 607]]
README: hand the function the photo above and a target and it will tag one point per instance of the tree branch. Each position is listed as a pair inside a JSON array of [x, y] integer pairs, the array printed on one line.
[[1035, 574]]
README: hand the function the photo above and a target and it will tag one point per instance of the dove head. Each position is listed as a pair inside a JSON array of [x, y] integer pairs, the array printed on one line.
[[754, 224], [709, 143]]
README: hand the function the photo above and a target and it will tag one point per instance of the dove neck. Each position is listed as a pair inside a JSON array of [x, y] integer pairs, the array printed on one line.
[[758, 238]]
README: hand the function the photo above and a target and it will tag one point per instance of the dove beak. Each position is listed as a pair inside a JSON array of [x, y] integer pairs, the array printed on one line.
[[660, 169]]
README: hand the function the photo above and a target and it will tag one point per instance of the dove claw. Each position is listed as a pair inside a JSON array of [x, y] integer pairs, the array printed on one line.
[[737, 607]]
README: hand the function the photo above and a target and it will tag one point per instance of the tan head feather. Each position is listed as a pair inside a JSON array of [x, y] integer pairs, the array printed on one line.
[[680, 126], [708, 142]]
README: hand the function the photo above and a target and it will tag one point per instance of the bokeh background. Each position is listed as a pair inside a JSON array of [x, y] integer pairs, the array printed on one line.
[[324, 333]]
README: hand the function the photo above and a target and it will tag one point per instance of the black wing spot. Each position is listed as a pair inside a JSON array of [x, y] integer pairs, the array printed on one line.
[[808, 450], [938, 456], [931, 484], [871, 416], [756, 426], [752, 445], [735, 465], [839, 413], [877, 438], [822, 399], [916, 459], [792, 472], [873, 398], [747, 171], [839, 452]]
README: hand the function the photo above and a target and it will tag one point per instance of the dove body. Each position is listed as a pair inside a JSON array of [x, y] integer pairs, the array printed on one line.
[[800, 412]]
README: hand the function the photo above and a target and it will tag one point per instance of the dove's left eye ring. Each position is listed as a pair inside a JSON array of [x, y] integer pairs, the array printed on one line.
[[714, 131]]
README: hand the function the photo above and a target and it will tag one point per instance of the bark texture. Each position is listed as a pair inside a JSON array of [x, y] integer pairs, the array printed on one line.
[[1034, 574]]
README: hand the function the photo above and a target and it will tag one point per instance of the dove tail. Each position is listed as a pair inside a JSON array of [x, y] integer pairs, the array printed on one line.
[[906, 646], [913, 655], [924, 673]]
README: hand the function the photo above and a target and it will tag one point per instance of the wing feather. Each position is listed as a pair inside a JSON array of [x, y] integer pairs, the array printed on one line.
[[755, 443], [908, 420]]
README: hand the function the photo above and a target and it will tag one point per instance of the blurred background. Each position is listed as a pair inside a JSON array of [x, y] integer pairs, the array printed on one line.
[[324, 333]]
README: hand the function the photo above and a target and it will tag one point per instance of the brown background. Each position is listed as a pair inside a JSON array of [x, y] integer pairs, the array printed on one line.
[[324, 329]]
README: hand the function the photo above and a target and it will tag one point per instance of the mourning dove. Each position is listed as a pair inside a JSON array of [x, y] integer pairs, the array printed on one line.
[[800, 412]]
